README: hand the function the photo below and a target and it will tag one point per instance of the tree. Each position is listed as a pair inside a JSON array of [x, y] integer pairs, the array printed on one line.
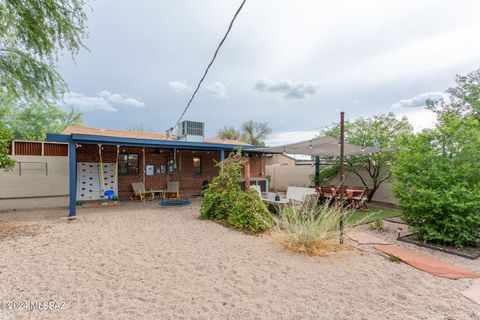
[[32, 35], [6, 138], [437, 172], [229, 133], [255, 133], [382, 131], [462, 101], [33, 120], [437, 182]]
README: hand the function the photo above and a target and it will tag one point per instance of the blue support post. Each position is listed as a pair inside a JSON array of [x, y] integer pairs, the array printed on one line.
[[222, 155], [73, 178]]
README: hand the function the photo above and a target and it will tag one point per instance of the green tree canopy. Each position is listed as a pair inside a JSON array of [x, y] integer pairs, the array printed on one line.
[[229, 133], [33, 120], [32, 35], [382, 131], [437, 172], [437, 182], [255, 133], [251, 132], [6, 137], [462, 101]]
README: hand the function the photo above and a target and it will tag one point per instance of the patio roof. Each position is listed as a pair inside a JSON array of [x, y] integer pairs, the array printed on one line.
[[142, 142], [327, 147]]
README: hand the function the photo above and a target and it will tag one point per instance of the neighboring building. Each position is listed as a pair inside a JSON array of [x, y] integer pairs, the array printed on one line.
[[285, 160]]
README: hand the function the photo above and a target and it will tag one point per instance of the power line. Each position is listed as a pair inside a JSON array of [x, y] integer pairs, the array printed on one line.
[[208, 67]]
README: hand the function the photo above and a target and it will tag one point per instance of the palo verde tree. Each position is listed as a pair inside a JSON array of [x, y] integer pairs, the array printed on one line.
[[382, 131]]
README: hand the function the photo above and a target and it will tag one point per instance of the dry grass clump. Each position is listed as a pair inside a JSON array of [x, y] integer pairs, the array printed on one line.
[[309, 233]]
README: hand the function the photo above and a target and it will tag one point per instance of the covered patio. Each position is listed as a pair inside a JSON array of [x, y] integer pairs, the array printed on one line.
[[147, 158]]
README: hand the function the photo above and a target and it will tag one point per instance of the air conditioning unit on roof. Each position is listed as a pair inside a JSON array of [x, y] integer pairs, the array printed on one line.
[[191, 131]]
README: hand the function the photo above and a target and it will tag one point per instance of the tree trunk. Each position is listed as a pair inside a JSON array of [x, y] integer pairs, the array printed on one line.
[[370, 193]]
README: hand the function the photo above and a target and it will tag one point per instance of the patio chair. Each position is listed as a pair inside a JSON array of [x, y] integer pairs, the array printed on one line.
[[139, 192], [173, 190], [328, 193], [359, 198]]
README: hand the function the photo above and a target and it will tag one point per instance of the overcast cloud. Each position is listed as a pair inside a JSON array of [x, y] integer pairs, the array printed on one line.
[[419, 100], [217, 89], [179, 86], [293, 64], [104, 100], [287, 88]]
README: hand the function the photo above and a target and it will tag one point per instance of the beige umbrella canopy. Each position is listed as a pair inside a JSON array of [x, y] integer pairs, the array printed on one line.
[[326, 147]]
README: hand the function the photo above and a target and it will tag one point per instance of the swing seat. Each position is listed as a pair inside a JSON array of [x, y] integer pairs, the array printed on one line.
[[139, 192]]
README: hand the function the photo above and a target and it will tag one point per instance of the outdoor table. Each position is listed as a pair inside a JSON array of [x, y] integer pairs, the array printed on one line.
[[161, 193], [269, 199]]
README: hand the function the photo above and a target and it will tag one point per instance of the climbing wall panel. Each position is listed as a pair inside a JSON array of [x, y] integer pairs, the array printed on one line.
[[89, 184]]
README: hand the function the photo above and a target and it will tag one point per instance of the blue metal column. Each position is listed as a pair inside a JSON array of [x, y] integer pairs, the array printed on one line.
[[222, 155], [73, 178]]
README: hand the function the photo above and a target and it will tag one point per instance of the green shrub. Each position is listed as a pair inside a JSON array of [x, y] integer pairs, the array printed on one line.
[[377, 225], [249, 213], [224, 200], [437, 182]]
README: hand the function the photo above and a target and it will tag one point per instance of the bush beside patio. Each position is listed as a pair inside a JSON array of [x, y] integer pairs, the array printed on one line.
[[225, 201], [437, 178]]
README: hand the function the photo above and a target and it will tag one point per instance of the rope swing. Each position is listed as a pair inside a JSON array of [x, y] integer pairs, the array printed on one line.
[[116, 171], [102, 180]]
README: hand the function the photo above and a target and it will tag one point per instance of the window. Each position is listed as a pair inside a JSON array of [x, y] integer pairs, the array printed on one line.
[[171, 165], [128, 164], [197, 165]]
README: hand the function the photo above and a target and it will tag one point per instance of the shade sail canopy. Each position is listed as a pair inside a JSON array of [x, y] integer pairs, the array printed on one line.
[[322, 146]]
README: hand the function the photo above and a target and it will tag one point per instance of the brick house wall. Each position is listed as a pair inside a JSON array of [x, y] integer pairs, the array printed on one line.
[[190, 184]]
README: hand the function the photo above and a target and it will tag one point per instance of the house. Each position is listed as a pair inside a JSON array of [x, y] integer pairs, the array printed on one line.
[[151, 158]]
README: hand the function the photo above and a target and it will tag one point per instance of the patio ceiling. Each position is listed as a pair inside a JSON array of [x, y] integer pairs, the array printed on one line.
[[327, 147]]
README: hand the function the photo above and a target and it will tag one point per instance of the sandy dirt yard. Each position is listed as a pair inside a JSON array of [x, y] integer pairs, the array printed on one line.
[[148, 262]]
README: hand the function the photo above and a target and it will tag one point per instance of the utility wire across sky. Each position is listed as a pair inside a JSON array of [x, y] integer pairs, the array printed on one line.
[[208, 67]]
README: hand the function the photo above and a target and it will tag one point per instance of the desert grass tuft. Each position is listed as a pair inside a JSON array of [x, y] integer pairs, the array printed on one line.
[[309, 233]]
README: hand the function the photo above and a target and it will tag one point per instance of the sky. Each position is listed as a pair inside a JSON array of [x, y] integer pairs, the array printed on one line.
[[293, 64]]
